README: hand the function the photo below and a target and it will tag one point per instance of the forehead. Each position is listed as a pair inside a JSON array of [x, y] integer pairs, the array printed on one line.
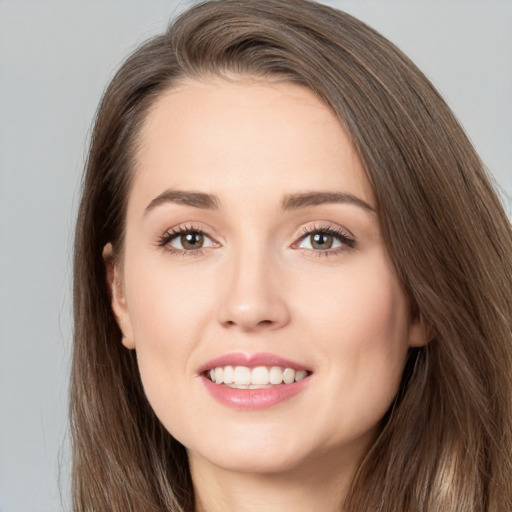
[[244, 137]]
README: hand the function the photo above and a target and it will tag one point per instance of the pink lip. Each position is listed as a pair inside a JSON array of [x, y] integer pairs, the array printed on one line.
[[252, 399]]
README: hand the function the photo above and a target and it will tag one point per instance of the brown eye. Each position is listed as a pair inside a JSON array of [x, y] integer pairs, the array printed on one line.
[[326, 240], [321, 241], [191, 241], [187, 240]]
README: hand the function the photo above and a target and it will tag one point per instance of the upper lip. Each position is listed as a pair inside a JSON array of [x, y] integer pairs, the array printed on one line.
[[251, 361]]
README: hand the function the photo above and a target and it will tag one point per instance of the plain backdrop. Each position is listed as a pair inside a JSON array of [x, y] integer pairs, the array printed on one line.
[[56, 57]]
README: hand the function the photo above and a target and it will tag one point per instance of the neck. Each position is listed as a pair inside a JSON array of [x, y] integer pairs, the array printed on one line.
[[315, 487]]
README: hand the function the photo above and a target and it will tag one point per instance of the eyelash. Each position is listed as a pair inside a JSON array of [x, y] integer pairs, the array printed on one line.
[[169, 236], [347, 241]]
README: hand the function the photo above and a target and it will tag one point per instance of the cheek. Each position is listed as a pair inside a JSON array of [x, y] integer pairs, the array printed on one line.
[[361, 307], [361, 323], [163, 310], [166, 305]]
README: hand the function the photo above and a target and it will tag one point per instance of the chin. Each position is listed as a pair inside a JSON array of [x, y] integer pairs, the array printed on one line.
[[251, 455], [257, 463]]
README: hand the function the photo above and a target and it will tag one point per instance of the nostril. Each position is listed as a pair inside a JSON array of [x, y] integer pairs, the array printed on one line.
[[261, 323], [253, 312]]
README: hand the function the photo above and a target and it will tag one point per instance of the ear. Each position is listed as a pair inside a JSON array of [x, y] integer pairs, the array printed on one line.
[[420, 332], [117, 296]]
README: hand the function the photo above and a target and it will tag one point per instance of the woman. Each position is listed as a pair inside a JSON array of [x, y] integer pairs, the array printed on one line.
[[292, 279]]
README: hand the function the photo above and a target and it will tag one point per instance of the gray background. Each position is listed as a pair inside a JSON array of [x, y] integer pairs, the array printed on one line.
[[55, 59]]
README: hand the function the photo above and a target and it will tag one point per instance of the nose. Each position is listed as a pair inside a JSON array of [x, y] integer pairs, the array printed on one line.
[[253, 297]]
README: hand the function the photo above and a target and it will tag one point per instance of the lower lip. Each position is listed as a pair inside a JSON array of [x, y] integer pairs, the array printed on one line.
[[254, 399]]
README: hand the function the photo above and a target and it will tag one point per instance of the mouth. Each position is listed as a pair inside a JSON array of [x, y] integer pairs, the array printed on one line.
[[259, 377], [254, 381]]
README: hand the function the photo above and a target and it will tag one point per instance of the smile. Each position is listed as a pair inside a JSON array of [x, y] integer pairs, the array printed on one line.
[[260, 377], [254, 381]]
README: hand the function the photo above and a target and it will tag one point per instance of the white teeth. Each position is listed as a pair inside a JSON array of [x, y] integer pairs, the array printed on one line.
[[288, 376], [259, 375], [299, 375], [219, 375], [276, 375], [242, 376], [255, 378], [229, 375]]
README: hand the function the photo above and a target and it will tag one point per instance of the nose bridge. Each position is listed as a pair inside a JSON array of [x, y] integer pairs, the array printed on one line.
[[253, 298]]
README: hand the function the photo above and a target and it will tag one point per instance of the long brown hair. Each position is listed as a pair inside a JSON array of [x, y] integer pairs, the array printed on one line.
[[446, 443]]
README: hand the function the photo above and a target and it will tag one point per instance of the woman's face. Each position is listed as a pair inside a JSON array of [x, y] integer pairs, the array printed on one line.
[[253, 255]]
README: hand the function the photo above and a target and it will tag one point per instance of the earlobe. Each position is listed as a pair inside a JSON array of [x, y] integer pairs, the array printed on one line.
[[117, 296], [420, 332]]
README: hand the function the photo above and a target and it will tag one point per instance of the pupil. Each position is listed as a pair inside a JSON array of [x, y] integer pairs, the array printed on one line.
[[322, 241], [192, 240]]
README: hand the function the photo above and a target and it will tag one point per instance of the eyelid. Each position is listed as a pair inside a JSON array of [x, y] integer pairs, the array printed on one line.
[[346, 238], [172, 233]]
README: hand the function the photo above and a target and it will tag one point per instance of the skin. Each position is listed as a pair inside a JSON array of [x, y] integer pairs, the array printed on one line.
[[259, 285]]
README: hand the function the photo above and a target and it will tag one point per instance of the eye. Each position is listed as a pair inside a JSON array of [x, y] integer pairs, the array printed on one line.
[[189, 241], [183, 239], [325, 239], [320, 241]]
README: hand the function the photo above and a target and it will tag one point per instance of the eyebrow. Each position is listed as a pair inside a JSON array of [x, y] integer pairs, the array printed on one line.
[[186, 198], [290, 202], [296, 201]]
